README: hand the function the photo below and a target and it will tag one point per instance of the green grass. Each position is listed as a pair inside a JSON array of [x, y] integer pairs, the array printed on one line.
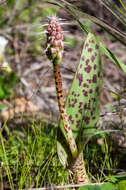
[[28, 157], [101, 156]]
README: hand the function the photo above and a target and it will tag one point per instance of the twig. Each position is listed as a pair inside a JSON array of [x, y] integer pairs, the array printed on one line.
[[120, 95], [64, 186]]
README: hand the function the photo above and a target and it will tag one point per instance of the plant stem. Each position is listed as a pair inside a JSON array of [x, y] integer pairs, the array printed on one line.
[[79, 171], [62, 109]]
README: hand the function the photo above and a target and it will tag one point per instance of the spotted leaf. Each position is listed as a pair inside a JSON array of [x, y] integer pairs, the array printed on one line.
[[83, 100]]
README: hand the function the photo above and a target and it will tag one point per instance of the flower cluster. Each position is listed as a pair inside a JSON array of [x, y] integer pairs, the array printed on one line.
[[54, 40]]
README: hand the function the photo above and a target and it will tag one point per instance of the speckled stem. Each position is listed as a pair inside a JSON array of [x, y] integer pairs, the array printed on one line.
[[62, 109], [79, 171]]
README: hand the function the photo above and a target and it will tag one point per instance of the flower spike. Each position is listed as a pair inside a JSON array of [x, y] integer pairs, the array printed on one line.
[[54, 51], [54, 40]]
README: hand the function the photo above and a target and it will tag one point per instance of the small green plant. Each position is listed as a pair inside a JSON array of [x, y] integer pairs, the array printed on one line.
[[80, 114]]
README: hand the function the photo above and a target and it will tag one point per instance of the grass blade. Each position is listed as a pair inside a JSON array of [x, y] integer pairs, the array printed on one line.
[[112, 57], [5, 162]]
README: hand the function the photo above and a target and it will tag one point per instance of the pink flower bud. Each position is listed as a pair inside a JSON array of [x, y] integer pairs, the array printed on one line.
[[53, 33], [54, 40], [49, 28], [53, 50], [55, 43], [58, 28], [59, 36]]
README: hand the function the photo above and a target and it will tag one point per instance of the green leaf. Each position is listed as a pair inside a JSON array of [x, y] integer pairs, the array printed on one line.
[[117, 178], [122, 185], [105, 186], [83, 100], [63, 156], [2, 94]]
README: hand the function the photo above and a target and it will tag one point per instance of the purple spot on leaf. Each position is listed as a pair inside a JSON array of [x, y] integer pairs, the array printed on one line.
[[87, 61], [92, 113], [80, 65], [99, 74], [80, 78], [94, 99], [69, 105], [86, 119], [85, 106], [92, 58], [88, 69], [85, 85], [75, 101], [78, 121], [85, 93], [97, 89], [89, 106], [96, 46], [76, 115], [90, 91], [95, 66], [80, 104], [70, 117], [93, 118], [89, 49], [77, 126], [94, 80], [80, 111], [72, 121]]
